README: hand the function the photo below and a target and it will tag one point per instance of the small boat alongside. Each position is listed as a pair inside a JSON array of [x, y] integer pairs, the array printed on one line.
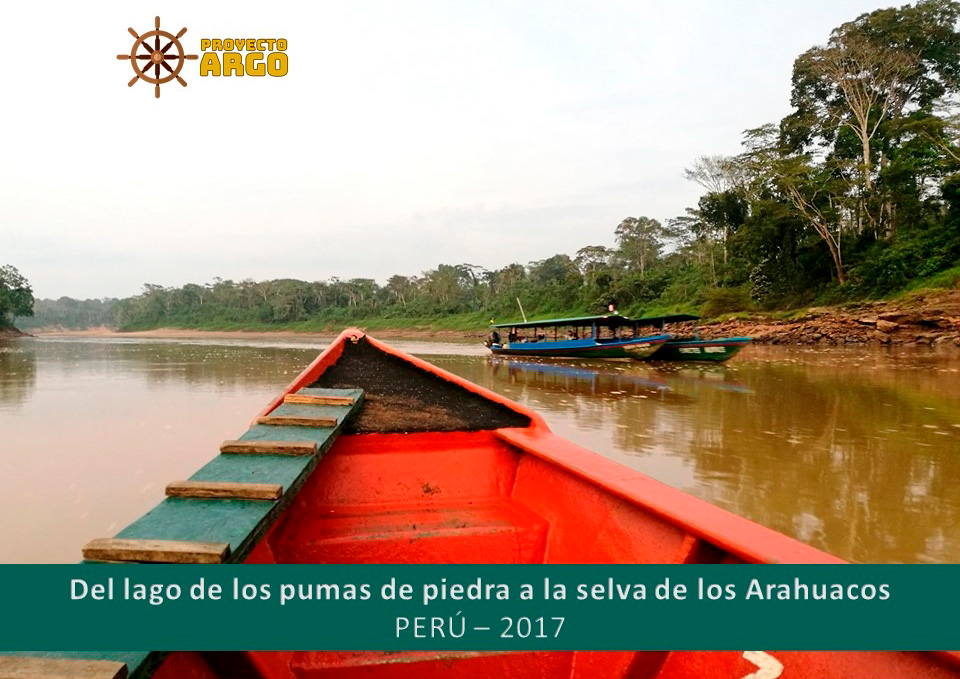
[[375, 456], [715, 350], [692, 348], [610, 336]]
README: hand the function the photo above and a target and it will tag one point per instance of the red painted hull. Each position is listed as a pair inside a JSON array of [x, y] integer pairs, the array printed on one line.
[[515, 495]]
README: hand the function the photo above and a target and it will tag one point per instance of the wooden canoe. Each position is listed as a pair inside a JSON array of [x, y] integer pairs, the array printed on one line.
[[712, 350], [695, 348], [435, 469]]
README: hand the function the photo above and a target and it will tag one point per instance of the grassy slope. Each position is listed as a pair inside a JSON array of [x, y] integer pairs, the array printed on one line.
[[945, 280]]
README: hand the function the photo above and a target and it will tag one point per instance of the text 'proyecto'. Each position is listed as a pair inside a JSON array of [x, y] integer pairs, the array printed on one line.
[[263, 56]]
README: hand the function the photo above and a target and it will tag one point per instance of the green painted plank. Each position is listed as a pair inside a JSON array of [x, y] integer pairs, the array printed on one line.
[[241, 523], [282, 469], [338, 412], [272, 432], [322, 436], [203, 520]]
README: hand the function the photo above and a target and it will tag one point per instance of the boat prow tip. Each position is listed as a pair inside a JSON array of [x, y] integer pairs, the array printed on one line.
[[352, 334]]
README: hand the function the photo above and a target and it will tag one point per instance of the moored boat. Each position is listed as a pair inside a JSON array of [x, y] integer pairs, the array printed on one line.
[[693, 348], [374, 456], [716, 350], [610, 336]]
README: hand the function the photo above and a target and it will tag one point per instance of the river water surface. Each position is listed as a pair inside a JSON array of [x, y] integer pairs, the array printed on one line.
[[856, 452]]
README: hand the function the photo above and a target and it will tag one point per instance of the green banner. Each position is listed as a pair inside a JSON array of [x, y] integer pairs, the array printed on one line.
[[479, 607]]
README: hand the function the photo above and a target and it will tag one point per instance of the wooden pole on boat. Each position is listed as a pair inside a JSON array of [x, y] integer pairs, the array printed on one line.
[[521, 310]]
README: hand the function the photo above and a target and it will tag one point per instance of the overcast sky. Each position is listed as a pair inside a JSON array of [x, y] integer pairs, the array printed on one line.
[[405, 135]]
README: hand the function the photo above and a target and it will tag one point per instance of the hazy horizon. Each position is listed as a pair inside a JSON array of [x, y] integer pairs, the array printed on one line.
[[402, 137]]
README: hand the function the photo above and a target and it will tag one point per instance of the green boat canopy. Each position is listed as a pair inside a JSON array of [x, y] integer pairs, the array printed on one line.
[[610, 320], [607, 321]]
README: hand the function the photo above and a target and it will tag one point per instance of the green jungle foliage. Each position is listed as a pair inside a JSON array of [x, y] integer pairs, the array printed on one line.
[[70, 313], [16, 296], [854, 194]]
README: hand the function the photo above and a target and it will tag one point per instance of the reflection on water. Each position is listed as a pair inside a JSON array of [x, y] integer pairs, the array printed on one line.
[[105, 425], [18, 373], [852, 451]]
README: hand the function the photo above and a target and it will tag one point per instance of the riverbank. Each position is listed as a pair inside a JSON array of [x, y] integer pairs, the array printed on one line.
[[930, 318], [11, 333]]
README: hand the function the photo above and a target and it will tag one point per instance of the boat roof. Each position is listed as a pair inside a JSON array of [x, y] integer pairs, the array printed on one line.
[[608, 320]]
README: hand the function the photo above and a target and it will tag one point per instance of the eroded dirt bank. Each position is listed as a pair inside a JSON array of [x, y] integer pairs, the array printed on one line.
[[11, 333], [929, 319]]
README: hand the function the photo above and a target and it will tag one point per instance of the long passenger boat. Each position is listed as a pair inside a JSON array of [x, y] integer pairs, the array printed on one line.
[[609, 336], [374, 456], [692, 348]]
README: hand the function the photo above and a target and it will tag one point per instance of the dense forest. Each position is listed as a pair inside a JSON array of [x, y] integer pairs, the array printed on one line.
[[854, 194], [16, 296], [67, 312]]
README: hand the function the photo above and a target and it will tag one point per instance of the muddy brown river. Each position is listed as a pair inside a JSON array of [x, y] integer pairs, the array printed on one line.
[[855, 451]]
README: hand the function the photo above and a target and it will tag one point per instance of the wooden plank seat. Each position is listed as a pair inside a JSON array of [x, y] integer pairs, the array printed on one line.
[[225, 489], [269, 447], [37, 667], [297, 421], [156, 551], [311, 399]]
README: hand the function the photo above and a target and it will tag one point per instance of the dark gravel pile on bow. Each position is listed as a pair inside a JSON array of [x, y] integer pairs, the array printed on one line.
[[400, 397]]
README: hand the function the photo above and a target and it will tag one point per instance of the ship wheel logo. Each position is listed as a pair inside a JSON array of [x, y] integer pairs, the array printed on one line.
[[157, 57]]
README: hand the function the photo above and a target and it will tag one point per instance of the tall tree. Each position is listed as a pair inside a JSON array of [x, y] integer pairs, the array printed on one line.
[[873, 72], [593, 258], [855, 83], [399, 288], [808, 187], [716, 174], [721, 176], [639, 241], [16, 295]]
